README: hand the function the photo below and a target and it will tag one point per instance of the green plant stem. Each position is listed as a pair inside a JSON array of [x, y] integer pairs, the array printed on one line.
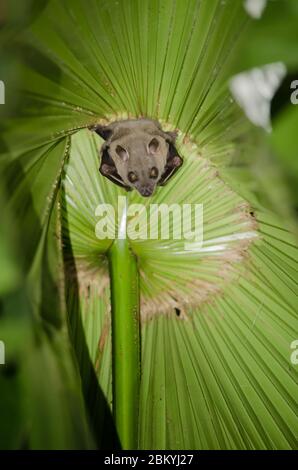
[[125, 341]]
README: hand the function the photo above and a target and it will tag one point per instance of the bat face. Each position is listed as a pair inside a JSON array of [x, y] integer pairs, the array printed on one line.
[[138, 154]]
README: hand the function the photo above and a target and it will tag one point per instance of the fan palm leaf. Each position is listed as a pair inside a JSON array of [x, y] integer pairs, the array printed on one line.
[[216, 322]]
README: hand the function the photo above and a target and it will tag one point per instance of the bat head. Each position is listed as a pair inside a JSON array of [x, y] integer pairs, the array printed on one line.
[[140, 160], [138, 155]]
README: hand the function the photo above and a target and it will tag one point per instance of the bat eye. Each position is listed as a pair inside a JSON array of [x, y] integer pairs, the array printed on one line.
[[132, 177], [153, 172]]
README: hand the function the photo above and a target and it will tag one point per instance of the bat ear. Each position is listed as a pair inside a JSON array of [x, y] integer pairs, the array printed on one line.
[[153, 146], [122, 153], [104, 132], [108, 169], [174, 161]]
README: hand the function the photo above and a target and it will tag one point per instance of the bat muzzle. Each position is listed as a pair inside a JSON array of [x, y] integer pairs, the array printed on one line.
[[146, 192]]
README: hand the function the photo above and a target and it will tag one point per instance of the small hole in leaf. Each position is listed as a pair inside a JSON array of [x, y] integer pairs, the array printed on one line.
[[177, 311]]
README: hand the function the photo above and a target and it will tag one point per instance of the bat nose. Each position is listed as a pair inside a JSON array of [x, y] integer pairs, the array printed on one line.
[[146, 192]]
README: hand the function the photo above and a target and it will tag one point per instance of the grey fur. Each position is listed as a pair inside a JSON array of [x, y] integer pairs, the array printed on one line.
[[138, 154]]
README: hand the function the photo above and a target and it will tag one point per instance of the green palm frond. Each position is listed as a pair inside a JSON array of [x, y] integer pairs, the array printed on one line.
[[39, 382], [196, 272], [241, 329]]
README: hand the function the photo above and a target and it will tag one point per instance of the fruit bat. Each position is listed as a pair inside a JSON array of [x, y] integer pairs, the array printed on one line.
[[138, 154]]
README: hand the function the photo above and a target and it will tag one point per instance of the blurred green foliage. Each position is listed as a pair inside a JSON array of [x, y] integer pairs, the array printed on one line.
[[59, 79]]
